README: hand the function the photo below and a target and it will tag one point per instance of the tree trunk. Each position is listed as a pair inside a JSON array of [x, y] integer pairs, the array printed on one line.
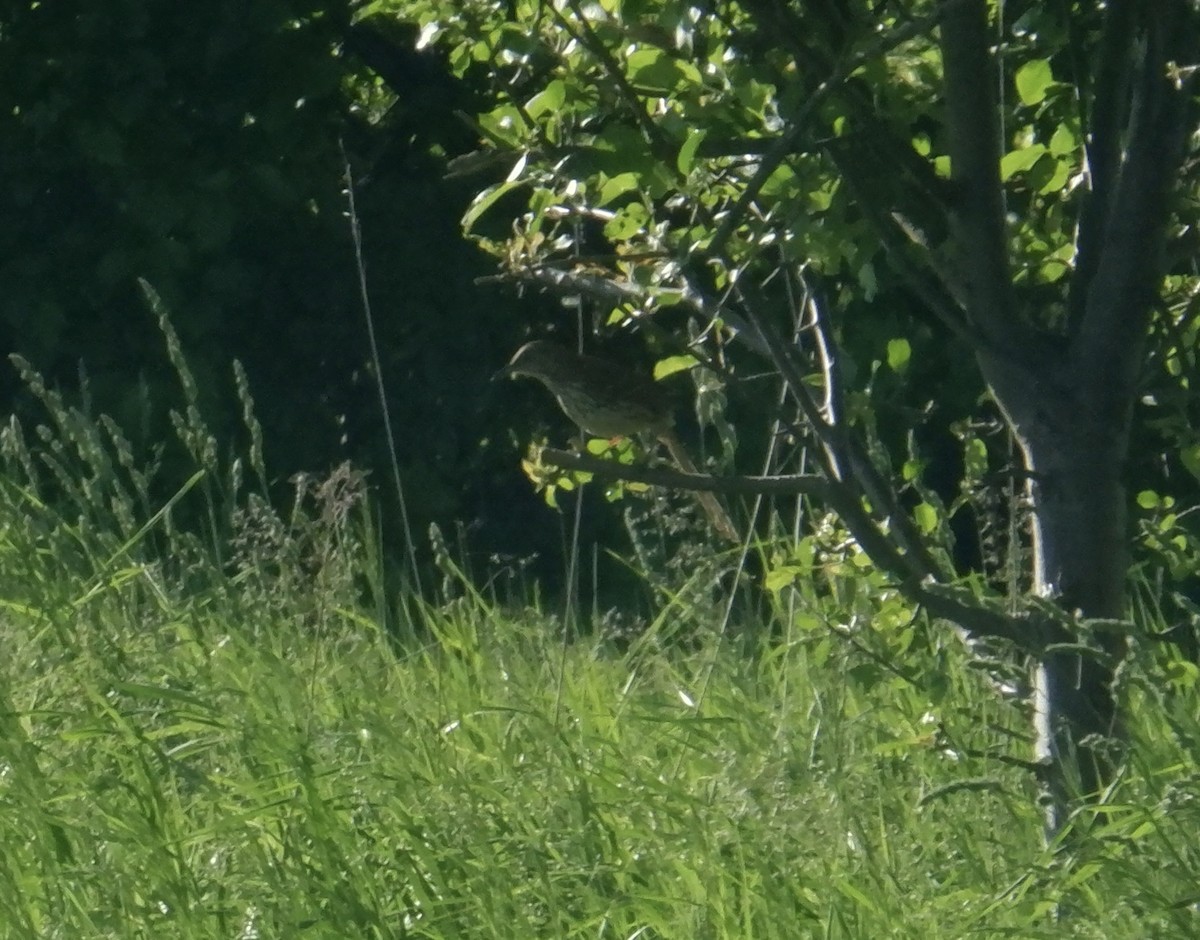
[[1075, 446]]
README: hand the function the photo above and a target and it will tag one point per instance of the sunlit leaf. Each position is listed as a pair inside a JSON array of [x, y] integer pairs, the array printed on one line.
[[687, 153], [617, 186], [975, 458], [1033, 79], [898, 353], [1016, 161], [548, 99], [1064, 141], [484, 201], [926, 518], [673, 364]]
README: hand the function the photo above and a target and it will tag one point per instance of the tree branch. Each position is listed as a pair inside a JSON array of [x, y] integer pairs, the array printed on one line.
[[940, 601], [1109, 108], [975, 150], [1120, 298], [607, 290], [850, 449], [847, 484], [788, 485], [797, 122]]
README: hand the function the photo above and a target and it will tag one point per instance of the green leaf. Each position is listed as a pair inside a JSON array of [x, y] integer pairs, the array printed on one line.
[[1033, 78], [1190, 457], [687, 153], [1016, 161], [549, 99], [926, 518], [485, 200], [1182, 674], [620, 149], [673, 364], [898, 353], [782, 182], [627, 222], [1064, 141], [617, 186], [1062, 173], [1043, 173], [868, 281], [1057, 264], [503, 125], [779, 578], [653, 70], [975, 458]]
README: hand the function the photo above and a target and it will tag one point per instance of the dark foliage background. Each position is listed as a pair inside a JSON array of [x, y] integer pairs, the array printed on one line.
[[199, 146]]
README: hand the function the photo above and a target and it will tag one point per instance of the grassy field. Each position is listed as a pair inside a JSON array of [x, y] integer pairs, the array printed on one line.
[[251, 757], [217, 738]]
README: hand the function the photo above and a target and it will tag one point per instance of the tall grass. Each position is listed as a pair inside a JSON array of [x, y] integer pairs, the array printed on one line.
[[213, 736]]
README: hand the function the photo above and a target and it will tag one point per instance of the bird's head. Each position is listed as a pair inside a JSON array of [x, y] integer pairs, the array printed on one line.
[[540, 359]]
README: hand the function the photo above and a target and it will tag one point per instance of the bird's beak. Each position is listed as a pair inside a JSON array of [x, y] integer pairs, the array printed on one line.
[[504, 373]]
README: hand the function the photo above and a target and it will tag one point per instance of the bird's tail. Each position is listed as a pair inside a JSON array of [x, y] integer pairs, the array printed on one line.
[[708, 501]]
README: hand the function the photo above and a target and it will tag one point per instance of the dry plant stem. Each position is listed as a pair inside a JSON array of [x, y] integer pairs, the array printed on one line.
[[365, 297]]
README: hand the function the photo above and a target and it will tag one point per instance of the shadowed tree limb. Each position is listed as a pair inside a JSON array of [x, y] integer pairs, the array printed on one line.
[[977, 220], [787, 485], [1106, 350], [1103, 123]]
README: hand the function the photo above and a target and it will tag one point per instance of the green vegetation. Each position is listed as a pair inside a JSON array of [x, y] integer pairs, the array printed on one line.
[[202, 147], [927, 272], [221, 764], [937, 256], [237, 748]]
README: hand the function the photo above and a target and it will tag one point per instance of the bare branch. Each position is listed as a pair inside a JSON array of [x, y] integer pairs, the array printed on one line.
[[786, 485], [881, 494], [827, 352], [948, 603], [842, 464], [570, 283], [608, 290], [951, 604]]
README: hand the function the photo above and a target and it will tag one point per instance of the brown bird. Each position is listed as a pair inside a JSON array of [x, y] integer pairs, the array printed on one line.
[[608, 400]]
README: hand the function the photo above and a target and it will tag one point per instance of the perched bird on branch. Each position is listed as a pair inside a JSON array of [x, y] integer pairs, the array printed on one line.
[[607, 400]]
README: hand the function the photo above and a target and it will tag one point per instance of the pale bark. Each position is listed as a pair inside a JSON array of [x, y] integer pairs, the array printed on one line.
[[1080, 560]]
